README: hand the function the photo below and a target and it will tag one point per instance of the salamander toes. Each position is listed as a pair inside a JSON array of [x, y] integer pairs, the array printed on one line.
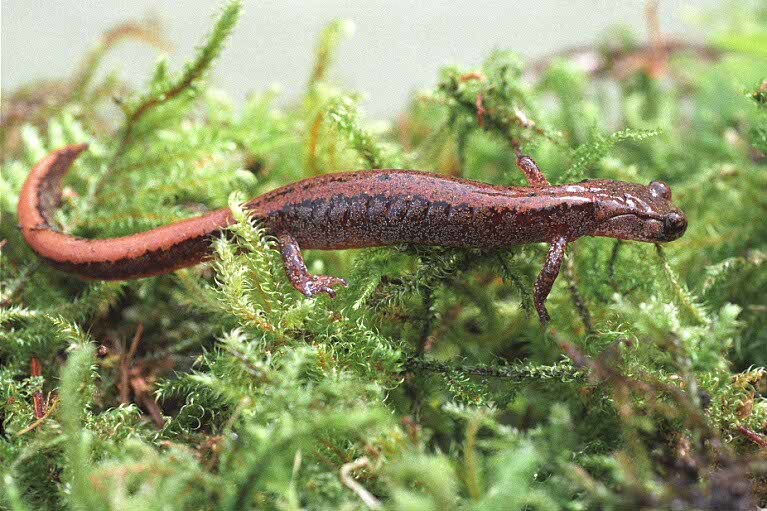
[[322, 284], [543, 314]]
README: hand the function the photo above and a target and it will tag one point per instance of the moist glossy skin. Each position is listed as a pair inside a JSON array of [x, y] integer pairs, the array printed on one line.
[[364, 209], [388, 207]]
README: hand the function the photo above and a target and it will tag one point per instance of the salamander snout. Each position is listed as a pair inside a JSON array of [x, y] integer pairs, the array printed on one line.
[[674, 225]]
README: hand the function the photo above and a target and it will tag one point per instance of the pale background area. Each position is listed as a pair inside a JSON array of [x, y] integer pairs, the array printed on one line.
[[397, 46]]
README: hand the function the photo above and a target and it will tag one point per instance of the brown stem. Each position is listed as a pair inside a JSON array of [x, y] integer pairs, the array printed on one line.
[[753, 436], [126, 361], [580, 304], [37, 370]]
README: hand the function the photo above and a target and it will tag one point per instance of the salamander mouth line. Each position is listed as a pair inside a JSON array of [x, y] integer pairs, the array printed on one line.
[[642, 217]]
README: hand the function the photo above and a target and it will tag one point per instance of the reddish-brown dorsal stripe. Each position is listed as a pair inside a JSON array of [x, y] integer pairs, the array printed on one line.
[[149, 253]]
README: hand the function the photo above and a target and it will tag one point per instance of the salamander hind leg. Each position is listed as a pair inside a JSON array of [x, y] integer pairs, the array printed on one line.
[[309, 285], [531, 171], [547, 277]]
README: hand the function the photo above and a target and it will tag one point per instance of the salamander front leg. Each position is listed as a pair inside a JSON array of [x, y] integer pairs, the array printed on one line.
[[308, 285], [531, 171], [547, 277]]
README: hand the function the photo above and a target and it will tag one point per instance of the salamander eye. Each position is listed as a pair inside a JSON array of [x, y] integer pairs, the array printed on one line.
[[660, 189]]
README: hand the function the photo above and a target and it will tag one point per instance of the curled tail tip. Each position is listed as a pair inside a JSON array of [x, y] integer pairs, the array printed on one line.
[[70, 152], [58, 162], [62, 156], [74, 149]]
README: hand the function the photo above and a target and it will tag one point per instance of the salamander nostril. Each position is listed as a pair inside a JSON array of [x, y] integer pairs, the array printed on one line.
[[674, 224]]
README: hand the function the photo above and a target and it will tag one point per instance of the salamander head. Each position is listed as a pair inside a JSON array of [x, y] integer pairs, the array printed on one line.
[[635, 212]]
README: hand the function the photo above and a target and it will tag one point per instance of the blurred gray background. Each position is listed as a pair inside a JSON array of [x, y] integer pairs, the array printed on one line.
[[396, 48]]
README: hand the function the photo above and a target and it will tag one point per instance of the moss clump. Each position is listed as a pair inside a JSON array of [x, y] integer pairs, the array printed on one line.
[[427, 384]]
